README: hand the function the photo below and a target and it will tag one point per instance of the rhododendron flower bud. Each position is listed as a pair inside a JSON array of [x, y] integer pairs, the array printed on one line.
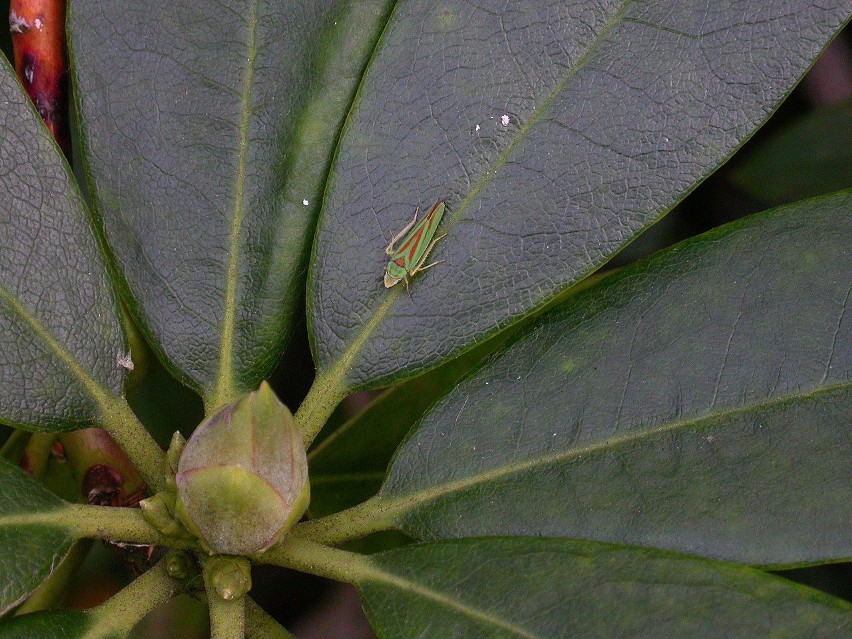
[[242, 477]]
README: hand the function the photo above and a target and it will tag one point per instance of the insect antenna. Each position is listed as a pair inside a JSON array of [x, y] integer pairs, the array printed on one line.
[[379, 224]]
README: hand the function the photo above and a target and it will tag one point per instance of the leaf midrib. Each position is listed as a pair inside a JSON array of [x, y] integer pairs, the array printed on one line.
[[102, 397], [384, 511], [50, 517], [225, 390], [340, 565], [373, 572], [336, 372], [612, 443]]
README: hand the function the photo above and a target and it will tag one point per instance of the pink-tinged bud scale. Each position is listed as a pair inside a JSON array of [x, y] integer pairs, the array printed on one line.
[[242, 478]]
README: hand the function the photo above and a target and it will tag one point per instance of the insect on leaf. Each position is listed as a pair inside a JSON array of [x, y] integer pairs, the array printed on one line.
[[417, 243]]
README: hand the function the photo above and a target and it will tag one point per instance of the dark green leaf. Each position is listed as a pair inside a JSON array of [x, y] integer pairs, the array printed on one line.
[[502, 588], [349, 465], [64, 624], [206, 127], [697, 401], [812, 156], [60, 336], [555, 131], [30, 548]]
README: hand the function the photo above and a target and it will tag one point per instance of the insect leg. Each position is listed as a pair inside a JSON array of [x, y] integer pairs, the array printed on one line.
[[419, 266], [389, 250], [423, 268]]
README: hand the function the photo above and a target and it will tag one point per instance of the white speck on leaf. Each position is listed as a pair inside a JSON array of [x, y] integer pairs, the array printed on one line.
[[305, 202], [125, 361], [477, 128], [504, 120]]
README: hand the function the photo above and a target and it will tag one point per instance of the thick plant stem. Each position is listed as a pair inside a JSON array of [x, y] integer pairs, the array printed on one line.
[[373, 515], [259, 625], [323, 397], [227, 616], [38, 40], [330, 386], [99, 522], [36, 454], [134, 439], [119, 614], [316, 559]]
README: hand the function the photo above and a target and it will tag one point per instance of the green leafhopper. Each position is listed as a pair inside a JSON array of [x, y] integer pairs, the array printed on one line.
[[417, 242]]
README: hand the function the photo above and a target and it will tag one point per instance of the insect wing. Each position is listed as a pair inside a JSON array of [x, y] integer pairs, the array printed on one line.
[[406, 259], [418, 239]]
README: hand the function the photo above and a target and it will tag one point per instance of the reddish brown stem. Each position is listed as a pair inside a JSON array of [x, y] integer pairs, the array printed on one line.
[[105, 473], [35, 457], [38, 40], [106, 477]]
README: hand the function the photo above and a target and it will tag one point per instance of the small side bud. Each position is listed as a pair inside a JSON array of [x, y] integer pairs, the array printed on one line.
[[173, 459], [176, 447], [179, 565], [242, 479], [228, 577], [159, 510]]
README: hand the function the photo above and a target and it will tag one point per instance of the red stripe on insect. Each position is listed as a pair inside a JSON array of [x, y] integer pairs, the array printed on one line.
[[416, 242]]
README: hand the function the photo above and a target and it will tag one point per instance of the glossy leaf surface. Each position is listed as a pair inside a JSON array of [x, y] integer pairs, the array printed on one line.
[[208, 147], [698, 401], [554, 131], [60, 336], [29, 548], [349, 465], [505, 588]]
